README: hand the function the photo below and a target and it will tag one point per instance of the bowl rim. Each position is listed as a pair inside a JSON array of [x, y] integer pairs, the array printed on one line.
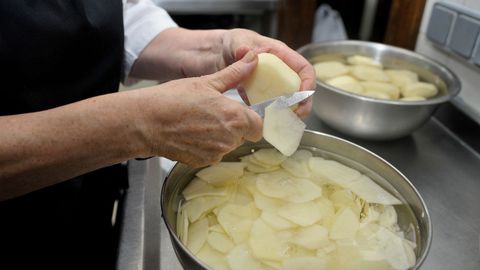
[[452, 91], [426, 213]]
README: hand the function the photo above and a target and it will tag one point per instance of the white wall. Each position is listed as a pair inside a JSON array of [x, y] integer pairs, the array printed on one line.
[[469, 97]]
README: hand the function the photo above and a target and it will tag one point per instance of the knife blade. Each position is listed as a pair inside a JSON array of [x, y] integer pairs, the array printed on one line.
[[287, 100]]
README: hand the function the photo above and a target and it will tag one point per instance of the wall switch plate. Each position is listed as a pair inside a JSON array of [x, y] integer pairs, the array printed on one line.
[[440, 23], [464, 35]]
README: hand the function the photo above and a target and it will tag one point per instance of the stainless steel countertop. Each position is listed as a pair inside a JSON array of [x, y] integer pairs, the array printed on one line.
[[444, 169]]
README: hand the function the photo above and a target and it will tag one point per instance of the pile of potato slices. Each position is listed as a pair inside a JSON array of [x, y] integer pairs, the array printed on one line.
[[365, 76], [272, 212]]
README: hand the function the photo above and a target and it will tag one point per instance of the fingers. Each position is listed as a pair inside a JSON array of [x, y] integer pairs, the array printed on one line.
[[232, 75], [254, 132], [304, 108]]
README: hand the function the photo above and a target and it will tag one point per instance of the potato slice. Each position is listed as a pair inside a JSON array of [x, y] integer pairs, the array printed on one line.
[[223, 173], [182, 224], [370, 191], [367, 73], [388, 218], [237, 220], [401, 77], [346, 83], [253, 165], [240, 258], [197, 235], [265, 203], [303, 214], [332, 171], [420, 89], [212, 258], [305, 263], [271, 78], [264, 243], [329, 69], [312, 237], [345, 225], [282, 185], [392, 91], [196, 207], [269, 156], [198, 188], [277, 222], [282, 128], [364, 60], [220, 242], [297, 164]]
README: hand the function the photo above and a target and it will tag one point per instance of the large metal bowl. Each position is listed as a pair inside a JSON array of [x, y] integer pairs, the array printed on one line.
[[412, 215], [371, 118]]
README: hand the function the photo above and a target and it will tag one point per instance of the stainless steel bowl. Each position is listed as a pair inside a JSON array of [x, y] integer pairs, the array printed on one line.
[[371, 118], [412, 215]]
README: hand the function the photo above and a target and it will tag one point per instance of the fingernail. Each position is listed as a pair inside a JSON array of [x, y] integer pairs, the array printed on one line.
[[249, 57]]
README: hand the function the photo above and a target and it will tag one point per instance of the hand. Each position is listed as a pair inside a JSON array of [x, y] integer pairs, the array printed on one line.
[[189, 120], [238, 42]]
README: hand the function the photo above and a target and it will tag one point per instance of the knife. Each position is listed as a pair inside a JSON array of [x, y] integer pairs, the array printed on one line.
[[287, 100]]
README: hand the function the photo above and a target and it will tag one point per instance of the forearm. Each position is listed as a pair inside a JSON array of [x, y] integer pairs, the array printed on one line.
[[178, 53], [43, 148]]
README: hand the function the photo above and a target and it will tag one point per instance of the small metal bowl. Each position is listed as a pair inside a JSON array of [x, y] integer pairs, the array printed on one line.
[[413, 217], [371, 118]]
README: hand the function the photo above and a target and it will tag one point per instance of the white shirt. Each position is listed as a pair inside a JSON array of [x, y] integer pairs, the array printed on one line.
[[142, 21]]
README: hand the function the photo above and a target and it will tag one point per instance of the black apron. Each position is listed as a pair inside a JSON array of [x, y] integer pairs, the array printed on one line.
[[55, 52]]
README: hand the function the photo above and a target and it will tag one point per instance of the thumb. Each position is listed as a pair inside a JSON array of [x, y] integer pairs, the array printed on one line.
[[234, 74]]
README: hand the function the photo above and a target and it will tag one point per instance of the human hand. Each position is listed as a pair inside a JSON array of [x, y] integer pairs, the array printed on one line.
[[189, 120], [238, 42]]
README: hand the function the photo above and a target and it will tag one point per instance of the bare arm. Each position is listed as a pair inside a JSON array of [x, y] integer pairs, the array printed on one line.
[[187, 120]]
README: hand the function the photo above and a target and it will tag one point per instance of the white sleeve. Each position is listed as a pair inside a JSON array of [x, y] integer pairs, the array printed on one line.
[[142, 21]]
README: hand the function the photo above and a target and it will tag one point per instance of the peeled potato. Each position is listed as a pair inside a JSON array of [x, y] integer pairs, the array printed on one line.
[[420, 89], [282, 128], [346, 83], [413, 98], [329, 69], [367, 73], [363, 60], [392, 91], [402, 77], [271, 78]]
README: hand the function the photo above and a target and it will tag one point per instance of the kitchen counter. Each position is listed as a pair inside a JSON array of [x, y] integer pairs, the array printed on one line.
[[444, 169]]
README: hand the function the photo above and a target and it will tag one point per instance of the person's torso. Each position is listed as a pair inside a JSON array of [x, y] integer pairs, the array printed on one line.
[[52, 53]]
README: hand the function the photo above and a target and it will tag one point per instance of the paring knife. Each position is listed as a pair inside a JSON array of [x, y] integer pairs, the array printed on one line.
[[287, 100]]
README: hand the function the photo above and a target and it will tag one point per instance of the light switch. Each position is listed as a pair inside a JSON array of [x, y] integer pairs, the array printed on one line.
[[464, 34], [440, 21]]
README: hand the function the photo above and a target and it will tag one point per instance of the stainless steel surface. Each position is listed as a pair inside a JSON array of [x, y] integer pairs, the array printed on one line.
[[217, 6], [413, 216], [371, 118], [443, 169], [288, 100]]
